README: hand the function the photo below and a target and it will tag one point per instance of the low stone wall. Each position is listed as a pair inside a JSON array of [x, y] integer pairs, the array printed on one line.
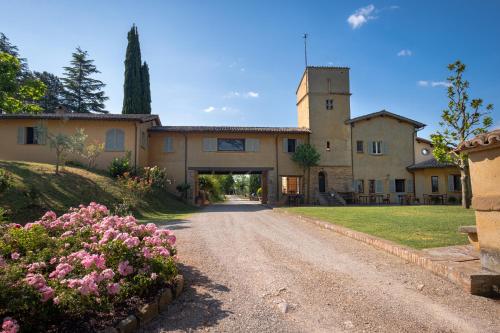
[[479, 283], [149, 311]]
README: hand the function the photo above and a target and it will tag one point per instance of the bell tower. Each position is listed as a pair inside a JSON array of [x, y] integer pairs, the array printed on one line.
[[323, 106]]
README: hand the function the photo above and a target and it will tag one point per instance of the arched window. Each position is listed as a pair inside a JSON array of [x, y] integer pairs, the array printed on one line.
[[115, 140]]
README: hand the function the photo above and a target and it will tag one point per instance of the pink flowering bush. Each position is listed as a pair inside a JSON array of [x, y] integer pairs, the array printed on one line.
[[77, 264]]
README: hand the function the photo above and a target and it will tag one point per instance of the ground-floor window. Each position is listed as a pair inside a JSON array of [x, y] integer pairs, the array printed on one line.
[[371, 186], [434, 184], [360, 186], [455, 183], [290, 185], [400, 185]]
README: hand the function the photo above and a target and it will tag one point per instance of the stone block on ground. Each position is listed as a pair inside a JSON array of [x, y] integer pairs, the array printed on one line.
[[179, 285], [128, 325], [147, 312], [165, 299]]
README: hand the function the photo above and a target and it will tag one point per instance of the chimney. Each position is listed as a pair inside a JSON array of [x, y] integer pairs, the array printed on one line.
[[61, 109]]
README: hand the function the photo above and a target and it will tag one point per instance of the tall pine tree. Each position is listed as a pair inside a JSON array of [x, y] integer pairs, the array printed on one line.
[[53, 95], [146, 92], [136, 91], [82, 93]]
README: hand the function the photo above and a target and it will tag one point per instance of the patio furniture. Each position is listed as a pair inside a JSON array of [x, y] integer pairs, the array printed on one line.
[[387, 199], [435, 198]]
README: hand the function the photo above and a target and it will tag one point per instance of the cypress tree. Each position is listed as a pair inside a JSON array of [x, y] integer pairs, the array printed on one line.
[[146, 91], [82, 93], [132, 86]]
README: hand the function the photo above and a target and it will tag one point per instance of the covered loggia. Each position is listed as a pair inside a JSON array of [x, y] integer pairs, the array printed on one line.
[[196, 172]]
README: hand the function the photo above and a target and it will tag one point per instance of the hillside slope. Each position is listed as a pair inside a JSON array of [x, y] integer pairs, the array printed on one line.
[[36, 189]]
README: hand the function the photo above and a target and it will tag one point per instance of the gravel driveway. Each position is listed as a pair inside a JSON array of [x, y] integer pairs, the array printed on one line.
[[251, 270]]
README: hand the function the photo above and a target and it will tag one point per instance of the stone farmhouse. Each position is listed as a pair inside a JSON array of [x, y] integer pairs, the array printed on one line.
[[378, 155]]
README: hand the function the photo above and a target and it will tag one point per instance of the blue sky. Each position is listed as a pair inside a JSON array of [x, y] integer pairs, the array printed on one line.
[[239, 62]]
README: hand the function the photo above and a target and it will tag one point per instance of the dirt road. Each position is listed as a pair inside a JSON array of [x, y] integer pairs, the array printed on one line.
[[251, 270]]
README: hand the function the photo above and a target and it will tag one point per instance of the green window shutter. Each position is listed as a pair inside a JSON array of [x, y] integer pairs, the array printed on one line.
[[209, 144], [451, 183], [384, 147], [379, 186], [409, 185], [252, 145], [41, 135], [21, 135], [110, 140], [392, 185], [370, 148], [167, 145], [120, 140], [285, 145]]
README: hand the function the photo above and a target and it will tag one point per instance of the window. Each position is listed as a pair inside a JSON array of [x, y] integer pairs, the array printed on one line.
[[434, 184], [371, 186], [360, 186], [399, 185], [115, 140], [231, 144], [168, 145], [289, 145], [144, 139], [454, 183], [31, 135], [376, 148], [329, 104], [328, 146], [425, 151], [359, 146], [290, 185]]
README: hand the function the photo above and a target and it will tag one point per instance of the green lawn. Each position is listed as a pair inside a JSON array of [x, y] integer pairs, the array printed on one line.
[[415, 226], [36, 189]]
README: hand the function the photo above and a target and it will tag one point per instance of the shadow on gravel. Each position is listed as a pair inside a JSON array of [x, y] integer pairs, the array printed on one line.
[[196, 308]]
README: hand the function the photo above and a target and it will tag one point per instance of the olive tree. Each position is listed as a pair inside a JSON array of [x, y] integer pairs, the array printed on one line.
[[65, 144], [463, 119], [306, 156]]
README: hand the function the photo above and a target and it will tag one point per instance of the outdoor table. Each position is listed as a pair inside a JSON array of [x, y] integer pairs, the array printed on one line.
[[371, 198], [439, 197]]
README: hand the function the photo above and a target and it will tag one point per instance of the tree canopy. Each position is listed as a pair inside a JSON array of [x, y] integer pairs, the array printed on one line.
[[83, 93]]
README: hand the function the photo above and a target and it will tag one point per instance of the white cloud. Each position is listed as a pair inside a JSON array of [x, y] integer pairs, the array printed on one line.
[[440, 84], [361, 16], [209, 109], [237, 94], [253, 94], [424, 83], [404, 53]]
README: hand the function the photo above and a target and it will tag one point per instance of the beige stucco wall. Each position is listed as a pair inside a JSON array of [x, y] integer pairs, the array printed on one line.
[[419, 146], [397, 138], [423, 182], [270, 155], [318, 85], [96, 131]]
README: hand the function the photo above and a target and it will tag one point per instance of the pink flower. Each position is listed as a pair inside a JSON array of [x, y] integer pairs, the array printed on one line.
[[47, 293], [88, 285], [53, 261], [36, 266], [56, 300], [15, 256], [131, 242], [124, 268], [154, 276], [107, 274], [113, 288], [9, 325], [61, 271], [146, 252]]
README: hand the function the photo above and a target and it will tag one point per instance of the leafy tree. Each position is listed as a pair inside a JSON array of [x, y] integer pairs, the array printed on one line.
[[306, 156], [463, 119], [54, 95], [241, 184], [146, 90], [227, 184], [91, 152], [254, 183], [82, 93], [15, 95], [66, 144], [7, 47], [136, 91]]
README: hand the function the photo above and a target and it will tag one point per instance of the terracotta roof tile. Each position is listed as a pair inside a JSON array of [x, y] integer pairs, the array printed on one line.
[[430, 164], [482, 140], [231, 129], [83, 116]]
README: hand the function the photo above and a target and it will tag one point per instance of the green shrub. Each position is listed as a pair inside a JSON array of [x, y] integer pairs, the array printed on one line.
[[156, 176], [259, 191], [183, 189], [452, 200], [5, 180], [120, 165]]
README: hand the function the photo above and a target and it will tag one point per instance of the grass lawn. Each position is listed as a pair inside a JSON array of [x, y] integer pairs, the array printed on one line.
[[36, 189], [415, 226]]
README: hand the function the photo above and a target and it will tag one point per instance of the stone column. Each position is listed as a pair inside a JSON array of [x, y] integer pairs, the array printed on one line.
[[484, 162]]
